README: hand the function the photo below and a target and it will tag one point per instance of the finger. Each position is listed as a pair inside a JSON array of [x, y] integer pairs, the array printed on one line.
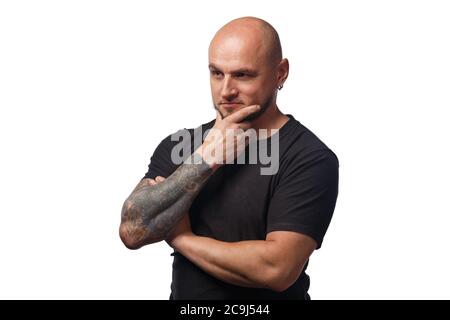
[[152, 182], [245, 125], [240, 115], [159, 179]]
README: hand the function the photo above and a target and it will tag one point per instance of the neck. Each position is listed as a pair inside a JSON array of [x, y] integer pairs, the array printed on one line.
[[273, 118]]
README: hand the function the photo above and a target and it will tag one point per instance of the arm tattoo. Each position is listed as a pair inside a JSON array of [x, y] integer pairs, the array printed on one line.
[[150, 212]]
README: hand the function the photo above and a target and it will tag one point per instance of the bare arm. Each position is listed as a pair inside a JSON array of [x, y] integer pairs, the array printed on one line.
[[274, 263], [152, 210]]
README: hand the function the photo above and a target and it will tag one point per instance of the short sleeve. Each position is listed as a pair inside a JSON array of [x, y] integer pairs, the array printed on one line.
[[174, 150], [161, 163], [305, 197]]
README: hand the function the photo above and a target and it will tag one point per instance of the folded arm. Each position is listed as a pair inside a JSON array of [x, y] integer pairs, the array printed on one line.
[[153, 209], [274, 263]]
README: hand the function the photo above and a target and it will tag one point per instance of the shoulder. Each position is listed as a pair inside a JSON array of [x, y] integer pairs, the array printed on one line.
[[185, 139], [173, 150], [302, 150]]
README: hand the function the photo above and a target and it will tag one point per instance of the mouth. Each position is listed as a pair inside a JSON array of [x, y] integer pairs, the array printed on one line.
[[231, 105]]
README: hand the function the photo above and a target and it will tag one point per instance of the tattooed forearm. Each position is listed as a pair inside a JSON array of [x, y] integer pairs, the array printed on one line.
[[151, 211]]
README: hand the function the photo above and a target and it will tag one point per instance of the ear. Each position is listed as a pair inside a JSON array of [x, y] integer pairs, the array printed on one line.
[[283, 72]]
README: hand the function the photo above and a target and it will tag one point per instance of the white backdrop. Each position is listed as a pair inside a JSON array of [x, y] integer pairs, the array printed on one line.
[[89, 88]]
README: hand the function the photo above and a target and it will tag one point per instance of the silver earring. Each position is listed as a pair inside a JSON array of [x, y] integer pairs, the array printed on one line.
[[280, 87]]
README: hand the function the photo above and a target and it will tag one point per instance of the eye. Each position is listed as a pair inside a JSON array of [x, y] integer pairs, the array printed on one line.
[[216, 73], [240, 75]]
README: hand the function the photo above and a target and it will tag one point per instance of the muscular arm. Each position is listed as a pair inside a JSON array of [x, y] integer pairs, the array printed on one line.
[[151, 211], [274, 263]]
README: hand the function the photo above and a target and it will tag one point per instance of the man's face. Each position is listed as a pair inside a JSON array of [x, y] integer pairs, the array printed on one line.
[[241, 74]]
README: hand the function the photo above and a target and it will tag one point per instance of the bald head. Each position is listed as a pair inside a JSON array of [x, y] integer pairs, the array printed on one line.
[[246, 66], [256, 34]]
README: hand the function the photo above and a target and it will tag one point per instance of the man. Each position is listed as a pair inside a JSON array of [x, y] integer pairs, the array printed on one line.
[[238, 233]]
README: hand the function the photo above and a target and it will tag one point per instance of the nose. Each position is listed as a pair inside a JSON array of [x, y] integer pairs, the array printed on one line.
[[229, 90]]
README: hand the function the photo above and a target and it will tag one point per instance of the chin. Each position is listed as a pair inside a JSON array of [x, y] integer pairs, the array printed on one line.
[[229, 111]]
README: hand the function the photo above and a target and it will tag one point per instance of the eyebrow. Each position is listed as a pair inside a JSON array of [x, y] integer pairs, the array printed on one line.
[[211, 66]]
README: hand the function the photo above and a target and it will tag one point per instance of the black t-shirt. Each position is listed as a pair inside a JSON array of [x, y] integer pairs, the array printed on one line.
[[238, 203]]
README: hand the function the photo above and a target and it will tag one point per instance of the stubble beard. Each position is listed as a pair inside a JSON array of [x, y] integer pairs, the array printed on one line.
[[264, 106]]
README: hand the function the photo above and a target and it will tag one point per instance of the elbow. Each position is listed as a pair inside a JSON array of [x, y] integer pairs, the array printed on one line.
[[280, 279], [128, 237], [134, 237], [280, 286]]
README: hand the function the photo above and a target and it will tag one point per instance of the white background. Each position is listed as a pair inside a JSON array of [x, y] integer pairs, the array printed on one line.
[[89, 88]]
